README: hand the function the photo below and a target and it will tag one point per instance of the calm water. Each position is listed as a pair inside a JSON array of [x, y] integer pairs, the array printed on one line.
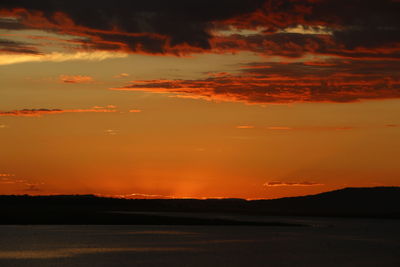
[[329, 242]]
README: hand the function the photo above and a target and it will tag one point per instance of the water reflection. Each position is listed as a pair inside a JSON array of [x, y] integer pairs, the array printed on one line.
[[71, 252], [159, 233]]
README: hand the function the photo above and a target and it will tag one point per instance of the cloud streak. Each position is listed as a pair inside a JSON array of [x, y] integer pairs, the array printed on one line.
[[6, 175], [135, 111], [281, 183], [13, 47], [245, 127], [10, 179], [8, 59], [76, 79], [41, 112]]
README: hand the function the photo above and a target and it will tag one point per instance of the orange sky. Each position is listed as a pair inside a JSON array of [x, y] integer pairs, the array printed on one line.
[[232, 107]]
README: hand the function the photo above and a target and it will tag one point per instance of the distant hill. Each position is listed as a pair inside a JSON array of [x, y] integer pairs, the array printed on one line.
[[353, 201], [376, 202]]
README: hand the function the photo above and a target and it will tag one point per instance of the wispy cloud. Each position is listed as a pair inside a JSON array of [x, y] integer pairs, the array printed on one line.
[[245, 127], [121, 75], [40, 112], [135, 110], [10, 180], [105, 107], [32, 187], [76, 79], [111, 132], [28, 186], [281, 183], [6, 175], [7, 59], [14, 47]]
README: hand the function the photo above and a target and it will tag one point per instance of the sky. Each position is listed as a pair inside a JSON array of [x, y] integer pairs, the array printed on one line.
[[198, 99]]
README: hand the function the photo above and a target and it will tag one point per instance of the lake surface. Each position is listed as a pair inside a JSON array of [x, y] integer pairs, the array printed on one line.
[[326, 242]]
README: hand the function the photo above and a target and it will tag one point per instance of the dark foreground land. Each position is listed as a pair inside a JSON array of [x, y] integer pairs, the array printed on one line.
[[378, 202], [92, 231]]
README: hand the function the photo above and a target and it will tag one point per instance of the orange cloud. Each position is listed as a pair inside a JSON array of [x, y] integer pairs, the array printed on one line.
[[7, 59], [245, 127], [6, 175], [280, 183], [9, 179], [76, 79], [40, 112], [122, 75], [111, 132], [135, 110], [6, 180]]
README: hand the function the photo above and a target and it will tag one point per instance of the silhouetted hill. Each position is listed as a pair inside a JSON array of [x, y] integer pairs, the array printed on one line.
[[377, 202], [356, 202]]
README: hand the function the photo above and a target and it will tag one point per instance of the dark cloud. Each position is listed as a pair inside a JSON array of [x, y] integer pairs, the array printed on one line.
[[294, 45], [360, 23], [183, 22], [281, 44], [11, 24], [9, 46], [357, 28]]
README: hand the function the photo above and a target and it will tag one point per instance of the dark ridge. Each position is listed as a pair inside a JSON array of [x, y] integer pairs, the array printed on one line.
[[376, 202], [348, 202]]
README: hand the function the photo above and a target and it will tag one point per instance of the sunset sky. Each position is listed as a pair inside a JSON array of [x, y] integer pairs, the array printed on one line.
[[224, 98]]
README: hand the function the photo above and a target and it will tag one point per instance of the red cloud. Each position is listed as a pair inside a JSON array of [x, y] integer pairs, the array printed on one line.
[[338, 81]]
